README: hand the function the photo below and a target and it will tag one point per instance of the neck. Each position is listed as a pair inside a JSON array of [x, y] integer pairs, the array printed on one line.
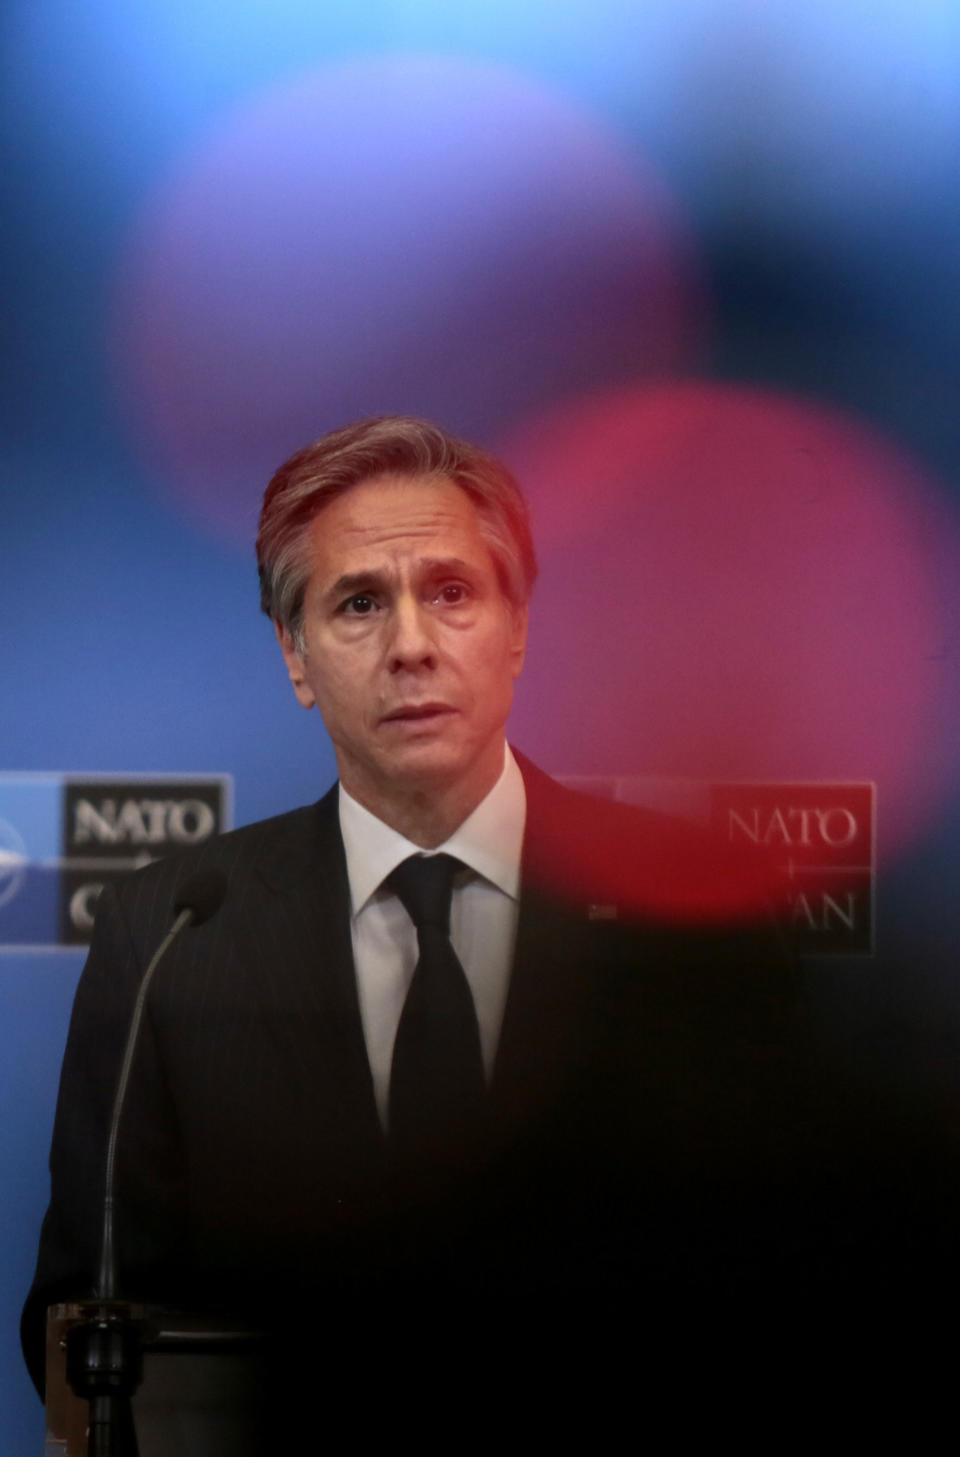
[[427, 815]]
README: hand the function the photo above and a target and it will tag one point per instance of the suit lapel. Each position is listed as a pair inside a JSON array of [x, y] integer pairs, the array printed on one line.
[[548, 1014], [583, 966], [306, 878]]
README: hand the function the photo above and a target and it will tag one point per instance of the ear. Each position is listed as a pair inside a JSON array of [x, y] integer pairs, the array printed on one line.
[[295, 665], [520, 617]]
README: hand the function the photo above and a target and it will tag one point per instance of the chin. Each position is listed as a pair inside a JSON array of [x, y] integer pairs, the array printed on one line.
[[424, 764], [428, 763]]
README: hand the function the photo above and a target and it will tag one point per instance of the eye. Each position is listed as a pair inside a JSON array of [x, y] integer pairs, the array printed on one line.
[[452, 594], [360, 605]]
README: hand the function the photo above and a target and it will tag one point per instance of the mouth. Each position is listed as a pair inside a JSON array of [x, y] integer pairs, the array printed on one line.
[[418, 713]]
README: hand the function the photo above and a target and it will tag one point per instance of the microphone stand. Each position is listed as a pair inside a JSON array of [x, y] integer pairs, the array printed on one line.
[[104, 1352], [105, 1367]]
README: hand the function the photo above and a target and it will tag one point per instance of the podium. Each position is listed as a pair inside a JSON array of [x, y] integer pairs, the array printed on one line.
[[202, 1392]]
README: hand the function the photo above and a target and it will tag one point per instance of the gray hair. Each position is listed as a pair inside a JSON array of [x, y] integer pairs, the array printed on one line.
[[396, 445]]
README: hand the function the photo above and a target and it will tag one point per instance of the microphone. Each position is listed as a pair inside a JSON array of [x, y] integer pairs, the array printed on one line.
[[202, 895], [104, 1360]]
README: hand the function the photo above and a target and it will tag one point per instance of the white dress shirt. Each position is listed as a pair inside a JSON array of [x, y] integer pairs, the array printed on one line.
[[483, 917]]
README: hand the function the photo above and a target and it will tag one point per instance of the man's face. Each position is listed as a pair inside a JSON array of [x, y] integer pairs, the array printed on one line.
[[409, 648]]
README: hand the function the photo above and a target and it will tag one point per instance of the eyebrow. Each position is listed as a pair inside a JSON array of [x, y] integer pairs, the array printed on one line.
[[352, 582], [372, 581]]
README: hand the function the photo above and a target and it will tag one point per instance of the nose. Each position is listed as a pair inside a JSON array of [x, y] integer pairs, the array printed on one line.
[[411, 645]]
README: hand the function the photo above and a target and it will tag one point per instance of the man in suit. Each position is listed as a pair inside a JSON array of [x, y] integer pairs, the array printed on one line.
[[624, 1056]]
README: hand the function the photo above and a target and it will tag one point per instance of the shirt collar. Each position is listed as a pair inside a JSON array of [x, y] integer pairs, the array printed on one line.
[[489, 841]]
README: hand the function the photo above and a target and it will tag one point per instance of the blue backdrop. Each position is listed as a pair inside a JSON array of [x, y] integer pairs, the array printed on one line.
[[701, 256]]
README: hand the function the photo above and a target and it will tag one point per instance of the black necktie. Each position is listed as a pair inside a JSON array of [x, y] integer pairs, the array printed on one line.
[[436, 1078]]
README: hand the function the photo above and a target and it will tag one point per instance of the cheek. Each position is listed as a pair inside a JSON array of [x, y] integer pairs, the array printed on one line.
[[332, 685], [497, 669], [340, 694]]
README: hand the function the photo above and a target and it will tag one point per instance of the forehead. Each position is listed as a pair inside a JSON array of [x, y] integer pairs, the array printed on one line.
[[389, 518]]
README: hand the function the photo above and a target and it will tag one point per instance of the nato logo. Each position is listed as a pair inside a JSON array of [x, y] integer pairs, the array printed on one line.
[[63, 836], [822, 839], [818, 837]]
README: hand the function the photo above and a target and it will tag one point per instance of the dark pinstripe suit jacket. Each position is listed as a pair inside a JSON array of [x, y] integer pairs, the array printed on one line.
[[642, 1068]]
